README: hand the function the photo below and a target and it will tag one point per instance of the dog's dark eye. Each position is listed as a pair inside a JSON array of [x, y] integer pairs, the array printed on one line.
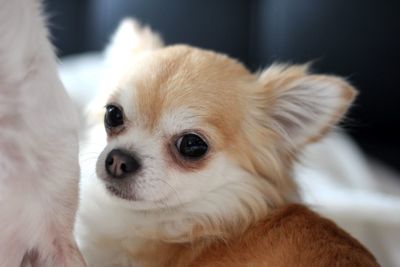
[[191, 146], [114, 117]]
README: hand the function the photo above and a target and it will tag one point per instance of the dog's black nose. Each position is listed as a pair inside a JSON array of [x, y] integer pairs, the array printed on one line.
[[120, 164]]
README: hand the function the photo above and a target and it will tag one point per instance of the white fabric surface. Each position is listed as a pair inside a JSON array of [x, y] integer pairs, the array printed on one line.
[[335, 178]]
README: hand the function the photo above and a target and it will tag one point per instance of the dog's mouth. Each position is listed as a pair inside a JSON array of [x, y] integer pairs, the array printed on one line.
[[120, 193]]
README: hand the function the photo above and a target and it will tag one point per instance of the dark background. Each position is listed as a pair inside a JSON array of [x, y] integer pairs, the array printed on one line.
[[358, 39]]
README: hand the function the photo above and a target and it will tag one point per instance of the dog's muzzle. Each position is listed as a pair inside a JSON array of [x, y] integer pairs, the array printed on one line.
[[120, 164]]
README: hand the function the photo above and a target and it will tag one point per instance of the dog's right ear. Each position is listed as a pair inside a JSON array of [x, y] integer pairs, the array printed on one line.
[[130, 39]]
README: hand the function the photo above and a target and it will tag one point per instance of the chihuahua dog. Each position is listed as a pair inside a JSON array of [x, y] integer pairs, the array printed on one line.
[[193, 159], [39, 163]]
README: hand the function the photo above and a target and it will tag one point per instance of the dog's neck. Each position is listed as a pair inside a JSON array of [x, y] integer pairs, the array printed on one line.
[[153, 244], [155, 238], [166, 240], [148, 253]]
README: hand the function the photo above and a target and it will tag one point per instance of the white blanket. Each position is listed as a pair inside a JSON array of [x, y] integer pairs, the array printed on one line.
[[335, 178]]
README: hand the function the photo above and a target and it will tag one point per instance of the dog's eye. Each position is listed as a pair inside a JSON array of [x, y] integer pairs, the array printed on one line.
[[191, 146], [114, 117]]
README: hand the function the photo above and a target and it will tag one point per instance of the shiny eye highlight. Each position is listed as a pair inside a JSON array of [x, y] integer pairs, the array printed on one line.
[[191, 146], [114, 117]]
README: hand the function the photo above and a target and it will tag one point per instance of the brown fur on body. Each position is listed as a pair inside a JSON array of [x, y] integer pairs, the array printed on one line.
[[292, 235]]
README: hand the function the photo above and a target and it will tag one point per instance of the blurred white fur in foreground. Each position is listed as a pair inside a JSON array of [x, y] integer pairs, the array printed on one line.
[[38, 145]]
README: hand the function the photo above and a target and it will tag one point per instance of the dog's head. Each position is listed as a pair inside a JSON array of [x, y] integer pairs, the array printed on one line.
[[186, 126]]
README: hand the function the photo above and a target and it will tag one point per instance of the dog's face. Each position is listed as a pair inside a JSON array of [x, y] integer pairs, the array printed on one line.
[[172, 123], [185, 124]]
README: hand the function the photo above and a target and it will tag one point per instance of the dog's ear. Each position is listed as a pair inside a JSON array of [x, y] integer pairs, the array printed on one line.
[[300, 106], [130, 39]]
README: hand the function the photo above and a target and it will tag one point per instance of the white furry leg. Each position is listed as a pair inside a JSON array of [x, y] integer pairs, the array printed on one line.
[[11, 255]]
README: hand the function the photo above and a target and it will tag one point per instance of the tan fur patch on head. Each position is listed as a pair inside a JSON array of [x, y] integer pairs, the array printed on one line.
[[182, 78]]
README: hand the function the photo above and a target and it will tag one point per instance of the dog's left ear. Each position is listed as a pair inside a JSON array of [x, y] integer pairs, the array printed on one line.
[[130, 39], [300, 106]]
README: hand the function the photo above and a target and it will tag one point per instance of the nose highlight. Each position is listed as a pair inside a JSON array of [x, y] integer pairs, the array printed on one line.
[[120, 164]]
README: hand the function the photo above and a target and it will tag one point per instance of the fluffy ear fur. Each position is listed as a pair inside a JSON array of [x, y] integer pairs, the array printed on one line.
[[129, 39], [302, 107]]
